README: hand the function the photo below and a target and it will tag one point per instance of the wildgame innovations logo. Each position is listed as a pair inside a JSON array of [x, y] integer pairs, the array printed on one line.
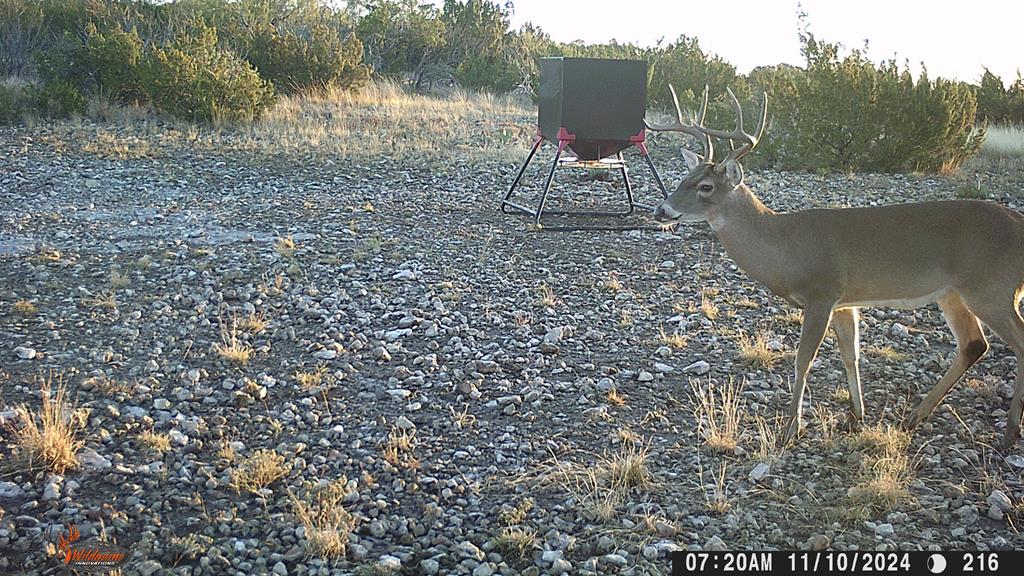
[[91, 555]]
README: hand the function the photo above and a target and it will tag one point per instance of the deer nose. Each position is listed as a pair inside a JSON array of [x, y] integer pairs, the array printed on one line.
[[663, 213]]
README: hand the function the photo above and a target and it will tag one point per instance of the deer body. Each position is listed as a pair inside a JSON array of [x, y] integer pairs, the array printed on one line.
[[967, 256]]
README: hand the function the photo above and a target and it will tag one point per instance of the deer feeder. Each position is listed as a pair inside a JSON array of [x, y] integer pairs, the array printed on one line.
[[594, 108]]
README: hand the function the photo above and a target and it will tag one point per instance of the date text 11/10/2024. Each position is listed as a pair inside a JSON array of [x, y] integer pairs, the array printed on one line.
[[847, 562]]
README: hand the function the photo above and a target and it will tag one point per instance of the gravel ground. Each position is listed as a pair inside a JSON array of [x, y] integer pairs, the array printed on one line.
[[461, 377]]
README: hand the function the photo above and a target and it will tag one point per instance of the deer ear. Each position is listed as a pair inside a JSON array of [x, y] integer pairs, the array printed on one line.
[[692, 159], [733, 173]]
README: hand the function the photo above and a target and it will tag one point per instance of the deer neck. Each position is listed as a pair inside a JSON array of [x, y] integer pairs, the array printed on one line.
[[749, 232]]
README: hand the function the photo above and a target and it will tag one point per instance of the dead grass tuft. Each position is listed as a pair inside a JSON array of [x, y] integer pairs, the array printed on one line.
[[232, 349], [311, 378], [399, 447], [754, 352], [259, 471], [155, 441], [24, 308], [321, 511], [46, 440], [516, 541], [673, 340], [717, 410]]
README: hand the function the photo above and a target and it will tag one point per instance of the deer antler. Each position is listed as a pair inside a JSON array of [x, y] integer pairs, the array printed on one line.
[[693, 128], [737, 133]]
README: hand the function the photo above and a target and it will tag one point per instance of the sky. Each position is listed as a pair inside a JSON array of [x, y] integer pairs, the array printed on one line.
[[953, 39]]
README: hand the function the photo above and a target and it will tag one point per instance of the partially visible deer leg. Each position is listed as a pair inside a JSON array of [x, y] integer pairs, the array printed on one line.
[[999, 312], [970, 347], [816, 320], [844, 322]]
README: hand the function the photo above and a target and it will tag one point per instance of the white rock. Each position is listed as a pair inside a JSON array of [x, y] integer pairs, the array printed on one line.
[[25, 353], [10, 490], [884, 529], [325, 354], [177, 437], [1015, 460], [467, 549], [645, 376], [404, 275], [430, 566], [161, 404], [389, 564], [775, 345], [90, 459], [561, 566], [699, 368], [392, 335], [483, 569], [999, 499], [759, 472], [404, 423], [899, 330], [663, 368]]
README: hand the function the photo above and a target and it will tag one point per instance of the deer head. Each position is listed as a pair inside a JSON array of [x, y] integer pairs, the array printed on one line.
[[709, 186]]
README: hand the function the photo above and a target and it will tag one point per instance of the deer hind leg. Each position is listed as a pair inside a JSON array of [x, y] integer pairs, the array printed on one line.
[[970, 347], [1001, 315], [844, 322], [816, 320]]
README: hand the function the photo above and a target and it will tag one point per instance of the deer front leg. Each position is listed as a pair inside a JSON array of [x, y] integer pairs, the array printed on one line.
[[816, 320], [844, 322]]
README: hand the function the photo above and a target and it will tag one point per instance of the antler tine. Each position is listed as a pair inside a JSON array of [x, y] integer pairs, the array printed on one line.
[[737, 133], [694, 128]]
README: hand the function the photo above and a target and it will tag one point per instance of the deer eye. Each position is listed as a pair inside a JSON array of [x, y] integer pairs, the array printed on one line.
[[705, 188]]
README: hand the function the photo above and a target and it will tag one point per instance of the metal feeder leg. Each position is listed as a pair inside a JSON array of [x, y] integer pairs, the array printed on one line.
[[547, 185], [629, 186], [522, 170]]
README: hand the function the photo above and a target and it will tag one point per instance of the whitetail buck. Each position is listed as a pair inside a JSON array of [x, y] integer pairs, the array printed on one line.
[[968, 256]]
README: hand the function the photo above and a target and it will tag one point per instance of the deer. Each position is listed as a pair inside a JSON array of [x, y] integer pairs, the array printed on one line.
[[965, 255]]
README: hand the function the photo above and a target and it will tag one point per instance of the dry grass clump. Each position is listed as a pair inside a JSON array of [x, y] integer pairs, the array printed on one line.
[[887, 353], [546, 296], [311, 378], [673, 340], [46, 439], [259, 471], [104, 301], [155, 441], [612, 282], [718, 415], [254, 323], [716, 499], [887, 471], [616, 398], [24, 308], [328, 524], [516, 541], [285, 247], [399, 447], [601, 487], [119, 280], [232, 349], [754, 352]]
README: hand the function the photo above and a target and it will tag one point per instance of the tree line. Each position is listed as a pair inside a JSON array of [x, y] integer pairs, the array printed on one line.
[[229, 59]]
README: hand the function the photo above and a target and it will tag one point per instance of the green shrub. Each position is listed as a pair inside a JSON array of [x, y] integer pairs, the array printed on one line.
[[853, 116], [111, 59], [12, 103], [56, 99], [491, 74], [320, 57], [194, 79]]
